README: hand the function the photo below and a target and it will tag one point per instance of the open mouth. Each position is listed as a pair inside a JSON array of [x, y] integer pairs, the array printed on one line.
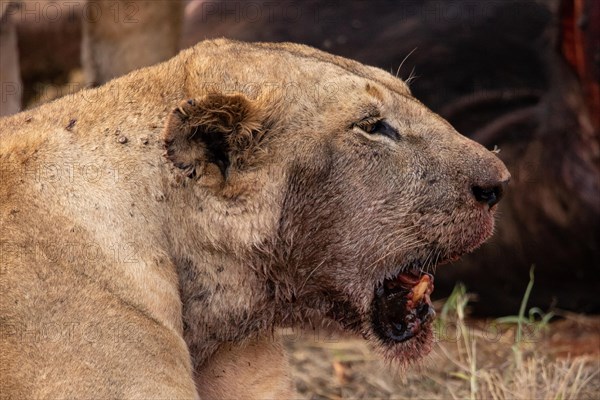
[[402, 307]]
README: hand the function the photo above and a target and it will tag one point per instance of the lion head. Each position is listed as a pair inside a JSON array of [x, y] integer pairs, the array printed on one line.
[[330, 188]]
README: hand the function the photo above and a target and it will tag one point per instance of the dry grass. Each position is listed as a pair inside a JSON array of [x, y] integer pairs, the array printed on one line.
[[472, 359], [539, 378]]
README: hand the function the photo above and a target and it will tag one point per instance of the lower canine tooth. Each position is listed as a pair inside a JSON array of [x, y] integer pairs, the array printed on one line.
[[420, 289]]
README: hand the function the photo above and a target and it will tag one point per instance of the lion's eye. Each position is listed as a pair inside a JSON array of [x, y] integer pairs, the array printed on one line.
[[379, 127]]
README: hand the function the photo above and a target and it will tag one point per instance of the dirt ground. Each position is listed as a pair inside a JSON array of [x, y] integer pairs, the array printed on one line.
[[561, 361]]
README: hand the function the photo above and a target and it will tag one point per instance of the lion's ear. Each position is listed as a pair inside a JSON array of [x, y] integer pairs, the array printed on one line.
[[215, 130]]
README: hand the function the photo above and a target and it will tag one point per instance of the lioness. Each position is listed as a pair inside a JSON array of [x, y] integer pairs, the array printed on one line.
[[118, 37], [160, 226]]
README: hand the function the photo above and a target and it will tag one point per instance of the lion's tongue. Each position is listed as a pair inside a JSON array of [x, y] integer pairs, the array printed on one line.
[[404, 305]]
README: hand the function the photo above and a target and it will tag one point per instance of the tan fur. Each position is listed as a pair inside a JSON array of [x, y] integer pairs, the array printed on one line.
[[10, 77], [119, 36], [188, 209], [256, 370], [124, 35]]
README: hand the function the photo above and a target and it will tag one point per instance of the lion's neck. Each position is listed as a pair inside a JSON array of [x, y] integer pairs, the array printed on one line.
[[223, 301]]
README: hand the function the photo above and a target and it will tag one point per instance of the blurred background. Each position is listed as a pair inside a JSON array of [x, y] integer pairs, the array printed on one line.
[[518, 75]]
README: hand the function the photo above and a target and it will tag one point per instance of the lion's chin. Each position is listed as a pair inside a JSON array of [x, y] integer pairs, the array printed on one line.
[[409, 352]]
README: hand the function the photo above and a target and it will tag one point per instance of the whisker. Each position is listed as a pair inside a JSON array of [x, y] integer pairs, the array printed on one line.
[[404, 60], [391, 238], [402, 247], [411, 77], [311, 274]]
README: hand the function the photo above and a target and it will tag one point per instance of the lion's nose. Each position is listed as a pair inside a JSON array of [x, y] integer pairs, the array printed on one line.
[[489, 195], [489, 179]]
